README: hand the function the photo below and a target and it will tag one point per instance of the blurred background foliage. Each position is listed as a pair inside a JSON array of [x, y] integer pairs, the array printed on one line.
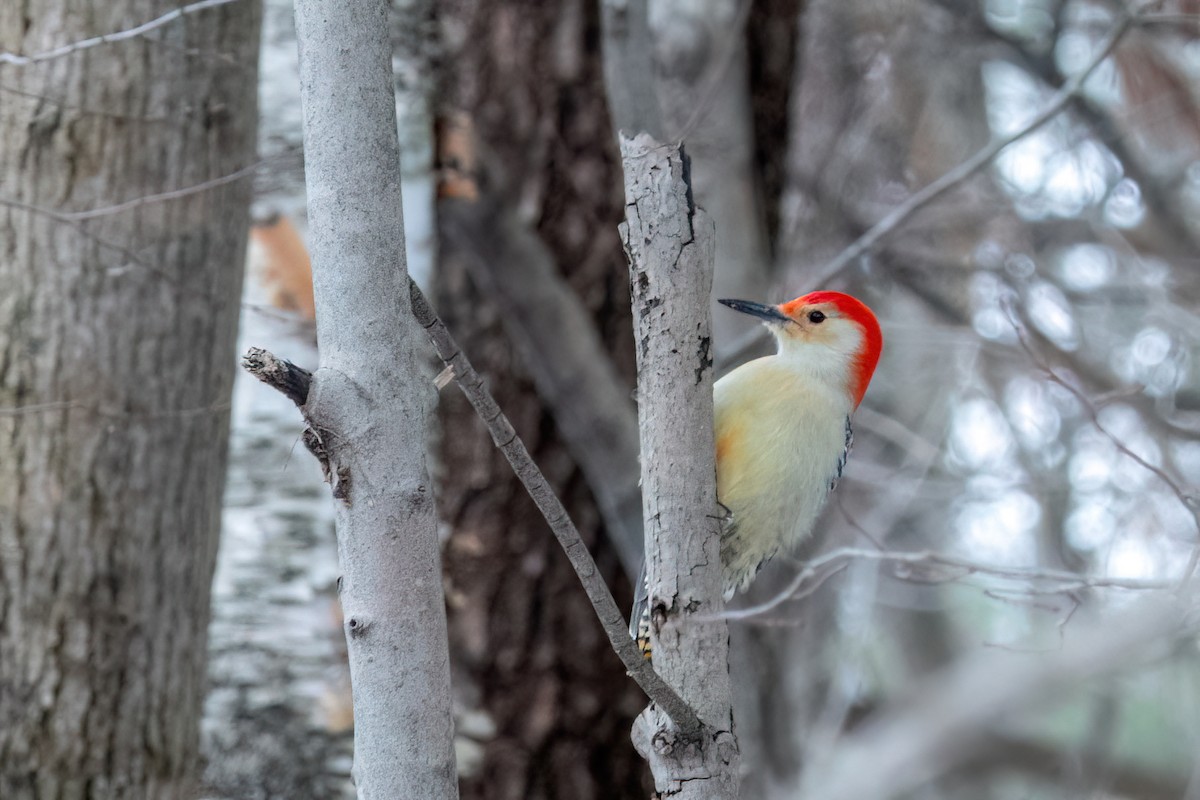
[[1024, 461]]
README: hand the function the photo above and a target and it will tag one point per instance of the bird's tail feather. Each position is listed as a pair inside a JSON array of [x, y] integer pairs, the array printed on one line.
[[639, 619]]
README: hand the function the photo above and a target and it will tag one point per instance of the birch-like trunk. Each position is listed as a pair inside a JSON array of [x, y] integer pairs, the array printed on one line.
[[116, 364], [671, 249], [370, 404]]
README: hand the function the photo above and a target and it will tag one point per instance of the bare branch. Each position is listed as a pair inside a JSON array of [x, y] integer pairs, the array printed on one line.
[[1069, 91], [1062, 580], [110, 413], [556, 516], [34, 408], [117, 247], [109, 38], [563, 352], [1187, 499], [58, 101], [284, 376], [149, 199]]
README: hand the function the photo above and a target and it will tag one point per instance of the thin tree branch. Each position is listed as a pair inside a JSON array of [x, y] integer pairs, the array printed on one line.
[[1187, 499], [1069, 91], [294, 382], [563, 352], [1064, 580], [116, 247], [1158, 195], [187, 191], [109, 38], [108, 413], [556, 516], [58, 101], [284, 376]]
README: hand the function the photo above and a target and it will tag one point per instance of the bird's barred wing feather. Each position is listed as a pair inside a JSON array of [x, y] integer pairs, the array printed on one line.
[[841, 464], [640, 617]]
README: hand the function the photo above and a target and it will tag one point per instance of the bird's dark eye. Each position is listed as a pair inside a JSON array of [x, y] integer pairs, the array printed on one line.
[[816, 317]]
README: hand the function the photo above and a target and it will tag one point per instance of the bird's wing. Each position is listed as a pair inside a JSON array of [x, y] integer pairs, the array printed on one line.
[[844, 457]]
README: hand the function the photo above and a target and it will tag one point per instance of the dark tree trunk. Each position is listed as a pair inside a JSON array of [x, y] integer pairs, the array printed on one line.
[[529, 649], [116, 363]]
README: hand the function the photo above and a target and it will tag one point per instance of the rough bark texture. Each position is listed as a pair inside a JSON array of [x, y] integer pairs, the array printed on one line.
[[116, 362], [533, 664], [671, 250], [370, 405]]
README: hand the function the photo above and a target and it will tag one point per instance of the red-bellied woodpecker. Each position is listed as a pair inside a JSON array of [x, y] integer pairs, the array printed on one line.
[[783, 432]]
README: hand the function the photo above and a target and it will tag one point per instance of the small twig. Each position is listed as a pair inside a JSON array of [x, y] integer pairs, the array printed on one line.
[[1070, 581], [108, 413], [121, 249], [293, 381], [560, 523], [1070, 89], [1186, 499], [1169, 19], [58, 101], [108, 38], [187, 191]]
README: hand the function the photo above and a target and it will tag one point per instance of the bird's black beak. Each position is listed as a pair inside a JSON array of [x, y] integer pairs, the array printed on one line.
[[761, 310]]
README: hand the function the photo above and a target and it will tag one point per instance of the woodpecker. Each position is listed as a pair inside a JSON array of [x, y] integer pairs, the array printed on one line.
[[783, 433]]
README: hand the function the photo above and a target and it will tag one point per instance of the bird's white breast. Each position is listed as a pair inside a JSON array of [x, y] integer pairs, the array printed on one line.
[[780, 434]]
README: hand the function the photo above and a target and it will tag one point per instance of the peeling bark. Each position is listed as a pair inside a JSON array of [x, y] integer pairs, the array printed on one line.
[[671, 250]]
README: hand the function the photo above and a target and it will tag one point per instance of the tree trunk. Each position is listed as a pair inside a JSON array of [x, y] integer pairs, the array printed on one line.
[[671, 249], [116, 363], [370, 407], [550, 705]]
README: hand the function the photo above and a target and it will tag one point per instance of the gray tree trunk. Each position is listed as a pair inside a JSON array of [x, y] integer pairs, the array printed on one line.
[[671, 251], [370, 404], [116, 363]]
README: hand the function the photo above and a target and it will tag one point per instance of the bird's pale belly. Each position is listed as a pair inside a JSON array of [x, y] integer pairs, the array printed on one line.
[[774, 474]]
